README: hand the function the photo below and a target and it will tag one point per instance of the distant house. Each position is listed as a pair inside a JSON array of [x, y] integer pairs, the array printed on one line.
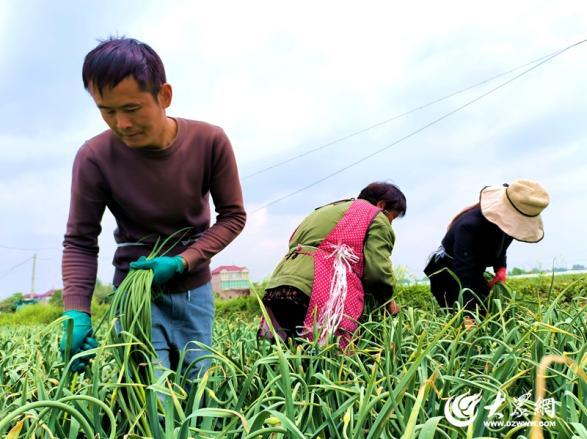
[[32, 298], [230, 281], [39, 297]]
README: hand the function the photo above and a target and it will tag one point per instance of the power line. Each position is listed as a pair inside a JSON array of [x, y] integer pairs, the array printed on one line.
[[15, 267], [398, 116], [22, 249], [413, 133]]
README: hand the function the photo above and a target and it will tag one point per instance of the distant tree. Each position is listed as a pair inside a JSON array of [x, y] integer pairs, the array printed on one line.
[[578, 267], [57, 298], [6, 305], [9, 304], [401, 275], [102, 292], [516, 271]]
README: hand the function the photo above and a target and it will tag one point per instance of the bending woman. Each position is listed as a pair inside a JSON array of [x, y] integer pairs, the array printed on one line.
[[337, 254], [478, 237]]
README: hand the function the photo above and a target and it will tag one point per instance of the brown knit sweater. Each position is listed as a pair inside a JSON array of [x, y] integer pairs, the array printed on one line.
[[152, 193]]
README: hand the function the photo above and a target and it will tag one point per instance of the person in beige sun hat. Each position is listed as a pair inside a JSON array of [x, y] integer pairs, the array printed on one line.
[[479, 236], [516, 208]]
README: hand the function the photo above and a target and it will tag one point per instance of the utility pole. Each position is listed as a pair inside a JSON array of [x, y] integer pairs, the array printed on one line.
[[33, 277]]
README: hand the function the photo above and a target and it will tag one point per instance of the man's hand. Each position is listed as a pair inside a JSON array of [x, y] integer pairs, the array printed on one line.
[[81, 338], [164, 267], [500, 276]]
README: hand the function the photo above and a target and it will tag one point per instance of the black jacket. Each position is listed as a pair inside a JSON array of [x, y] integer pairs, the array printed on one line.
[[473, 244]]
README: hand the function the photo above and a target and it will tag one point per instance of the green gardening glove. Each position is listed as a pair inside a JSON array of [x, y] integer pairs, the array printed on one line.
[[164, 267], [81, 338]]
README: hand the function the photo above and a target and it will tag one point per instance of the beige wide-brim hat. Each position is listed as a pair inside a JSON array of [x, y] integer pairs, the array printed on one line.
[[516, 208]]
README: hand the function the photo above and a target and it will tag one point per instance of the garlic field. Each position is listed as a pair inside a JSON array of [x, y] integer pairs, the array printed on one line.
[[419, 374]]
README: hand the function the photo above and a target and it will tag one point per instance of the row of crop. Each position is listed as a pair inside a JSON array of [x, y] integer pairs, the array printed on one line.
[[395, 380], [532, 290]]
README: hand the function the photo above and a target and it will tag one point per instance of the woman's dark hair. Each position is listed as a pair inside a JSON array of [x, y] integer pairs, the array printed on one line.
[[116, 58], [461, 213], [394, 199]]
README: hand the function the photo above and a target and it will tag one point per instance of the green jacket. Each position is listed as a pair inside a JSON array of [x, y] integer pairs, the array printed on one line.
[[297, 269]]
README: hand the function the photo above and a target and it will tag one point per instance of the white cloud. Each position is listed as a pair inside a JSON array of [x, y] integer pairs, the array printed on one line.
[[283, 78], [262, 243]]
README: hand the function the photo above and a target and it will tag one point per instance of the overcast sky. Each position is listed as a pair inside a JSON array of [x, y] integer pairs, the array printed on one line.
[[285, 78]]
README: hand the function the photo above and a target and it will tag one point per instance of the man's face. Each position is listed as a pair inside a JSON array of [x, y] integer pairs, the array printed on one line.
[[134, 115]]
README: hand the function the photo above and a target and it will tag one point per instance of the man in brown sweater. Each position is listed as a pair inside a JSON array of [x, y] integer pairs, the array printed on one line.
[[155, 174]]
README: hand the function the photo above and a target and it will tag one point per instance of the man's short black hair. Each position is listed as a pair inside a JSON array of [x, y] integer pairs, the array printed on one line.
[[116, 58]]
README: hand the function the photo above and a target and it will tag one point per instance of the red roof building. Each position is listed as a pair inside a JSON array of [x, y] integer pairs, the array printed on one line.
[[41, 297], [231, 281]]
